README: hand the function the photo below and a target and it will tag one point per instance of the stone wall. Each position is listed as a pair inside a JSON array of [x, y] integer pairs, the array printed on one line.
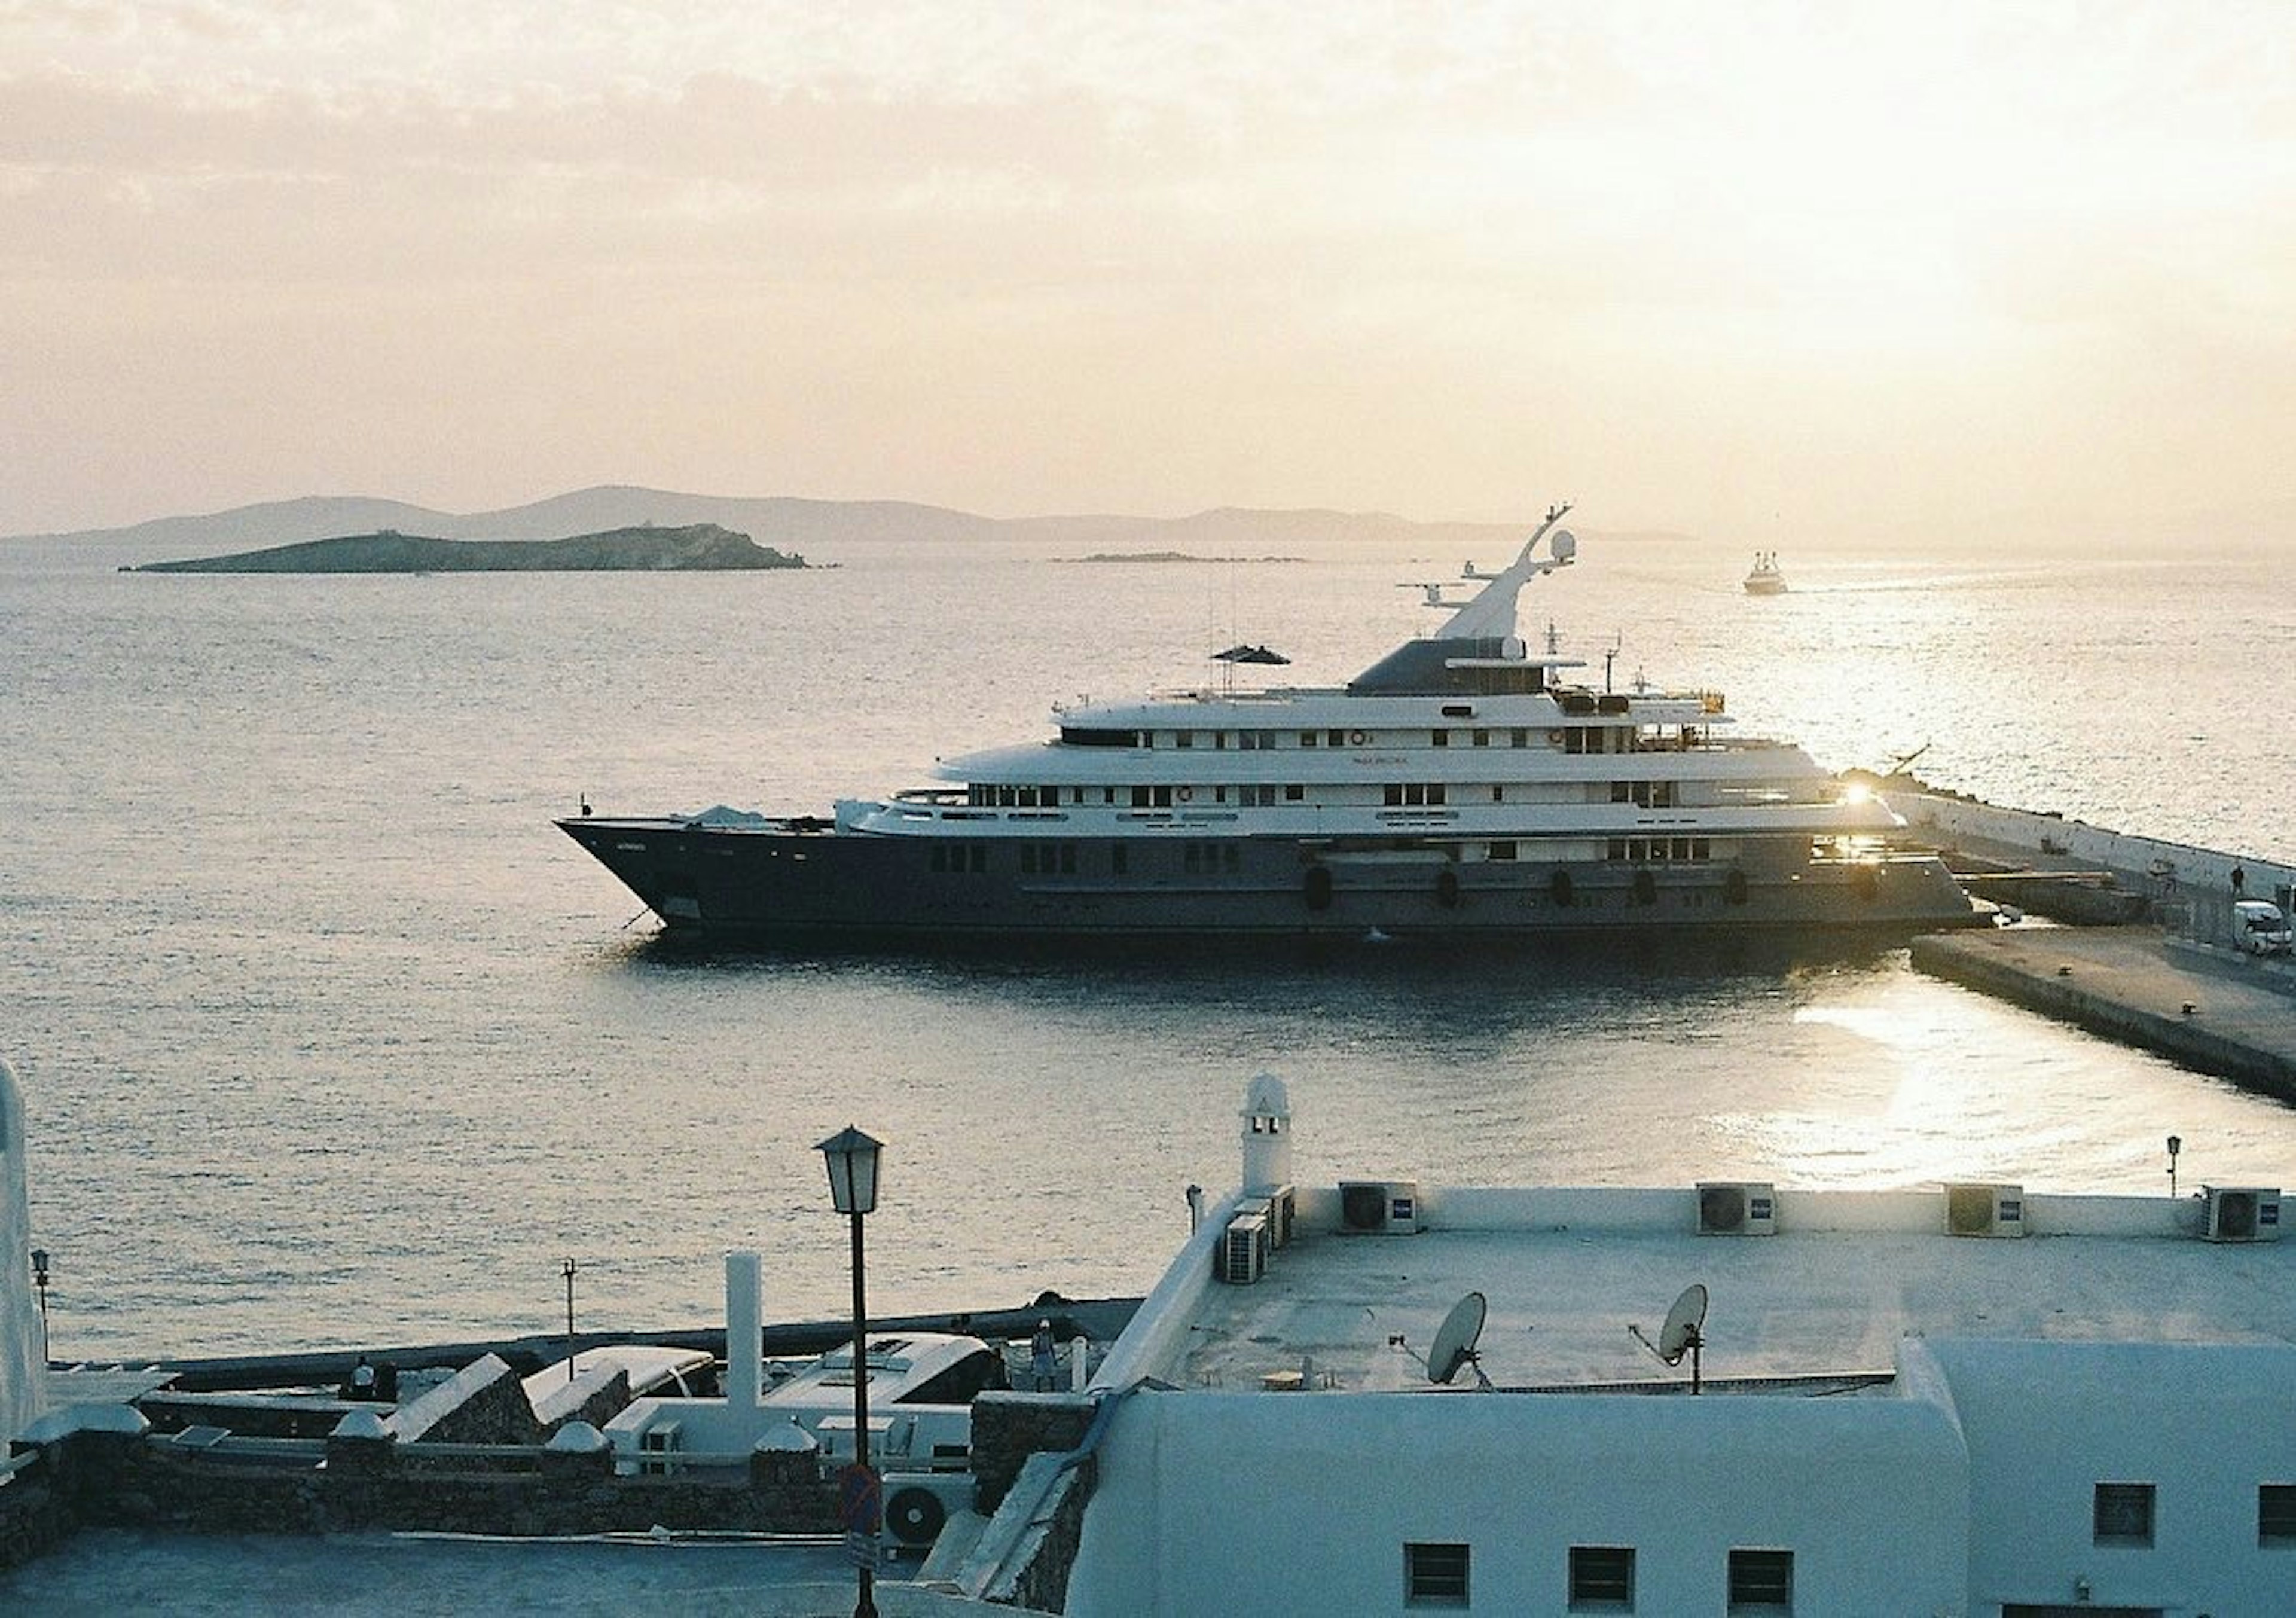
[[47, 1501], [1035, 1575], [114, 1480], [1009, 1427]]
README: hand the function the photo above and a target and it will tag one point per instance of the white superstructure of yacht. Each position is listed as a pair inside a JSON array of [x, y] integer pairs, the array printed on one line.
[[1459, 785]]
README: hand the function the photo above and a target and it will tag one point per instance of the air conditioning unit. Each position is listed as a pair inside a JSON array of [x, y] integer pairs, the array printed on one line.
[[919, 1505], [1379, 1207], [1241, 1257], [1737, 1207], [1279, 1207], [2242, 1213], [1985, 1211]]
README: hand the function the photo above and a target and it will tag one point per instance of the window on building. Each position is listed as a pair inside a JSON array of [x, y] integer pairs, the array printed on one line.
[[1294, 793], [1602, 1578], [1761, 1581], [2275, 1514], [1309, 738], [1334, 738], [1442, 738], [2124, 1513], [1434, 1575]]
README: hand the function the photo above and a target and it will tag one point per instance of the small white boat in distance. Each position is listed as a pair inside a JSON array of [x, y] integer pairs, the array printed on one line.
[[1766, 579]]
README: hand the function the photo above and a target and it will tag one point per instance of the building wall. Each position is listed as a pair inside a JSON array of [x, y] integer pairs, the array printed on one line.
[[2046, 1422], [1271, 1504], [23, 1380]]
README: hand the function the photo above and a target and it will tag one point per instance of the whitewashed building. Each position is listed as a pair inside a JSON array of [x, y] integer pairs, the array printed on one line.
[[23, 1372], [1957, 1401]]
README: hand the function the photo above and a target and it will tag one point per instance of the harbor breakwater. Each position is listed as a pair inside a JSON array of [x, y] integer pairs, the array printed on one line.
[[2189, 890], [2168, 980], [2129, 983]]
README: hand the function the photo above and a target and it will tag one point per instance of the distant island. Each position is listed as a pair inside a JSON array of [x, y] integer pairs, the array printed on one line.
[[704, 547], [1159, 557]]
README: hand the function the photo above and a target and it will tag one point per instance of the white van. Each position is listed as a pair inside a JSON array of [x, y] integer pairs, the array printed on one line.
[[2258, 927]]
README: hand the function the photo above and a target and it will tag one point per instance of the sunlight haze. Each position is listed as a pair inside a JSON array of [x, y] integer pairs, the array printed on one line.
[[1751, 272]]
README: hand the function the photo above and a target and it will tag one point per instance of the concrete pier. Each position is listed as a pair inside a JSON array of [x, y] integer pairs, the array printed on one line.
[[2228, 1017]]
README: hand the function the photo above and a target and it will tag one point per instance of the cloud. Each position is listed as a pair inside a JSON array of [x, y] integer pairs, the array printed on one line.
[[1313, 253]]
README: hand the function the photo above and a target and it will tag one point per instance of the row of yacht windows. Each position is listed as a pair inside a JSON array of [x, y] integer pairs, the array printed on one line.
[[1252, 795], [1061, 859], [1642, 794], [1597, 1578], [1658, 851], [1570, 738]]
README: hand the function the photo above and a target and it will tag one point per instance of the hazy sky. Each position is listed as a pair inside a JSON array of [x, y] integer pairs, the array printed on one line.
[[1754, 271]]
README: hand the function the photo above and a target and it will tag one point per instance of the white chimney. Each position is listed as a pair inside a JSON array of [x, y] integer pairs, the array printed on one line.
[[744, 1358], [1267, 1137]]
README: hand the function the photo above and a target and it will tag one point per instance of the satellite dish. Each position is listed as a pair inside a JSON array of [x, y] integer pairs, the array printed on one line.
[[1680, 1333], [1564, 545], [1454, 1339], [1684, 1332]]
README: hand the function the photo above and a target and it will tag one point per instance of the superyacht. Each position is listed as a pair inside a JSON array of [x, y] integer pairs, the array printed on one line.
[[1460, 786]]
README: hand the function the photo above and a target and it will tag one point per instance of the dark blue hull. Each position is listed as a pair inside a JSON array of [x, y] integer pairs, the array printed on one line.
[[736, 883]]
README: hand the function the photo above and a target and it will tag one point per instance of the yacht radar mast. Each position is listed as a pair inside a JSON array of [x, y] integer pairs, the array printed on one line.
[[1490, 613]]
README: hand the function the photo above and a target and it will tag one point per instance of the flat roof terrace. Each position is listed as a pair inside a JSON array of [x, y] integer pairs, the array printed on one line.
[[1829, 1295]]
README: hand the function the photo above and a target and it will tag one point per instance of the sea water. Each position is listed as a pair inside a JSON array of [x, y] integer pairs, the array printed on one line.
[[329, 1038]]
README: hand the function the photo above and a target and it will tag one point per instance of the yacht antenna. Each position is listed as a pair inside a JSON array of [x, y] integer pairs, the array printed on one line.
[[1610, 655], [1898, 766], [1490, 614]]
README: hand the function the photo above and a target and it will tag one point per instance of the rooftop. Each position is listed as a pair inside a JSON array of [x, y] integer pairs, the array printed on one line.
[[1845, 1276]]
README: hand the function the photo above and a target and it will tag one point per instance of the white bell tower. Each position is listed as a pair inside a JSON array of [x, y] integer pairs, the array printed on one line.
[[1267, 1137], [23, 1366]]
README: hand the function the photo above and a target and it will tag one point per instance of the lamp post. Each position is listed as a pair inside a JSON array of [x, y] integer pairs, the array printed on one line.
[[2175, 1146], [568, 1271], [40, 1280], [852, 1159]]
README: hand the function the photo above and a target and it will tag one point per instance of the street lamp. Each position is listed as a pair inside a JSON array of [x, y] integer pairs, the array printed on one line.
[[567, 1269], [852, 1159], [2175, 1146], [40, 1280]]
